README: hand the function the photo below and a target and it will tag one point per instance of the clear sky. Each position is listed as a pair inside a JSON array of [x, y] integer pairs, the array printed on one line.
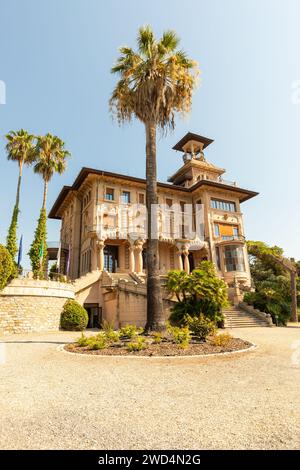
[[55, 59]]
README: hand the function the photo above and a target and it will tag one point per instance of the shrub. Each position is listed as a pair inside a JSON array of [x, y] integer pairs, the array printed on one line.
[[107, 326], [180, 335], [74, 317], [98, 341], [83, 341], [268, 301], [138, 345], [157, 337], [200, 326], [130, 331], [112, 336], [7, 266], [201, 291], [99, 344], [223, 339]]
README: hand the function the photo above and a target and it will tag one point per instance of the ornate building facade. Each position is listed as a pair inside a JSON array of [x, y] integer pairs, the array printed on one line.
[[199, 217]]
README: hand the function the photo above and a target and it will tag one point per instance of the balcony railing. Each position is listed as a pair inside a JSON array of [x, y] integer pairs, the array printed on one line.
[[225, 238], [226, 182]]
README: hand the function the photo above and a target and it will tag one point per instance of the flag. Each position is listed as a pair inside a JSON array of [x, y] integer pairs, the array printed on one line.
[[20, 251], [58, 257], [41, 254], [68, 260]]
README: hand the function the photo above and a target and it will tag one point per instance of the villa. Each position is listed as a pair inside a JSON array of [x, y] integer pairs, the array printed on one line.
[[103, 251]]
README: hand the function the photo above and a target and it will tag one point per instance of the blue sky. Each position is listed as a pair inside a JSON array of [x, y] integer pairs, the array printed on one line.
[[55, 59]]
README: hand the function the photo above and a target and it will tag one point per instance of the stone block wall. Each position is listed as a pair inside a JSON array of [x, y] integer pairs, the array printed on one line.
[[132, 304], [28, 305]]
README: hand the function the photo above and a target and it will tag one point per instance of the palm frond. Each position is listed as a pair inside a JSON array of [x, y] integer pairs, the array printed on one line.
[[145, 40], [168, 42], [156, 82], [51, 156]]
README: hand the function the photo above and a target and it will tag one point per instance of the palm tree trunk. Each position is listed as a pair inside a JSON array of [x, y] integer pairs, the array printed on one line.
[[19, 184], [155, 317], [294, 315], [45, 194]]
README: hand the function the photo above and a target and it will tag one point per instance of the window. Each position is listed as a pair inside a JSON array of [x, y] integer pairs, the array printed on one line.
[[223, 205], [109, 194], [125, 197], [169, 202], [226, 231], [141, 198], [217, 230], [218, 258], [234, 258]]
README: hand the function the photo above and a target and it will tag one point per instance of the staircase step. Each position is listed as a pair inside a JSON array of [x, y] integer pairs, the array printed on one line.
[[238, 318]]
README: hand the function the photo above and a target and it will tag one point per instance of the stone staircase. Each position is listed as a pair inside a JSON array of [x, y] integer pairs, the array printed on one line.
[[236, 317], [112, 279]]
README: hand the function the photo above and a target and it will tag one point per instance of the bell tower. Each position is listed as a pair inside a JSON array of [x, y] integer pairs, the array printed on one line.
[[195, 167]]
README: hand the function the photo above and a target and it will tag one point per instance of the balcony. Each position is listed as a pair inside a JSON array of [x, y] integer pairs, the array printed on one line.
[[229, 239], [226, 182]]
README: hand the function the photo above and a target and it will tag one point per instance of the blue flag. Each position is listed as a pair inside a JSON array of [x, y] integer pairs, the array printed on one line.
[[20, 251]]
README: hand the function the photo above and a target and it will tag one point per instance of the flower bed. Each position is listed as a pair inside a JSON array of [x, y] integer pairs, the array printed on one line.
[[114, 344]]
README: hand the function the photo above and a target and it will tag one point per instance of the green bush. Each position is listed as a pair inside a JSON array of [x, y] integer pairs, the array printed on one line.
[[98, 344], [138, 345], [107, 326], [7, 266], [99, 341], [83, 341], [112, 336], [223, 339], [270, 301], [130, 331], [157, 337], [181, 335], [200, 326], [201, 291], [74, 317]]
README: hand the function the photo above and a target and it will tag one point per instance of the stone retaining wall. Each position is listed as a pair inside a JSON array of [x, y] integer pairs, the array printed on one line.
[[28, 305]]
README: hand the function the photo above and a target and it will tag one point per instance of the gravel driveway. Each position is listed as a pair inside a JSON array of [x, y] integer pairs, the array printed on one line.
[[53, 400]]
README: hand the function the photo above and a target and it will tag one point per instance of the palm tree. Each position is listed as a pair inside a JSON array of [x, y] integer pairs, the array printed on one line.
[[50, 157], [19, 148], [155, 83]]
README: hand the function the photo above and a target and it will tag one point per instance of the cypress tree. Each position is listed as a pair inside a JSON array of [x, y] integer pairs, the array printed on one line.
[[11, 240], [38, 249]]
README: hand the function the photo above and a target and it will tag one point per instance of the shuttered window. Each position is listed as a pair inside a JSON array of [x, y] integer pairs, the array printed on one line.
[[226, 231]]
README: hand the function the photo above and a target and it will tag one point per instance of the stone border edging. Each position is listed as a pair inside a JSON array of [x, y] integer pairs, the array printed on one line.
[[253, 346]]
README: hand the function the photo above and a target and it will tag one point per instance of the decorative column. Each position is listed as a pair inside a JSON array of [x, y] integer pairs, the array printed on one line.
[[131, 259], [179, 264], [139, 256], [100, 244], [186, 263]]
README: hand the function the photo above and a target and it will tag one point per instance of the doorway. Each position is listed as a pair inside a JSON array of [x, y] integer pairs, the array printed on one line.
[[192, 262], [95, 315], [111, 256]]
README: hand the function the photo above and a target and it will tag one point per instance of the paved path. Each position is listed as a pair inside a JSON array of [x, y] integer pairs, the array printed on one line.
[[49, 399]]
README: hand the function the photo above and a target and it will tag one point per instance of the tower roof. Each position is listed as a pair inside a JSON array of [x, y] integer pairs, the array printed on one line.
[[205, 141]]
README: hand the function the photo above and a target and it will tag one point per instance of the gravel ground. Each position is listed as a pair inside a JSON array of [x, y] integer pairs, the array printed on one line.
[[53, 400]]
